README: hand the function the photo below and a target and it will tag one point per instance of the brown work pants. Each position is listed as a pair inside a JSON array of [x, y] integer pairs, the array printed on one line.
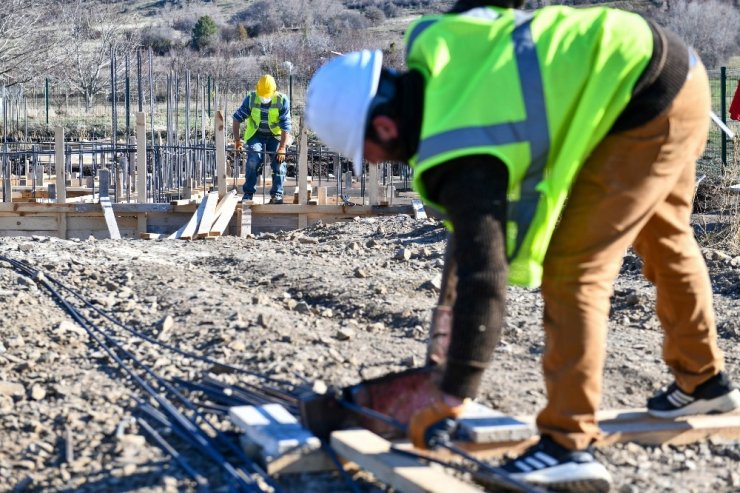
[[635, 189]]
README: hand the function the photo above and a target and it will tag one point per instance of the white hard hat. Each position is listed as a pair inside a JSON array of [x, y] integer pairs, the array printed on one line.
[[338, 99]]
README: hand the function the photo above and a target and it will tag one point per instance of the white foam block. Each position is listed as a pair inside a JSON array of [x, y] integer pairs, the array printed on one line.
[[481, 424], [273, 429]]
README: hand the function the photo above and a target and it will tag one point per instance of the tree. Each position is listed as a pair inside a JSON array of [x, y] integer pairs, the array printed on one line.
[[203, 32], [710, 26], [93, 34], [27, 47]]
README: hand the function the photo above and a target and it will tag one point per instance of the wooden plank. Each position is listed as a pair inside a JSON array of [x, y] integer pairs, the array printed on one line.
[[634, 425], [7, 189], [406, 474], [350, 210], [188, 229], [141, 157], [322, 195], [372, 184], [220, 153], [59, 164], [105, 204], [29, 223], [419, 212], [246, 220], [224, 214], [302, 175], [209, 215]]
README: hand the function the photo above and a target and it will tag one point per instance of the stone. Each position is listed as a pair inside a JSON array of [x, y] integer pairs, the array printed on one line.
[[376, 327], [12, 389], [237, 345], [16, 342], [38, 392], [264, 320], [345, 334], [302, 307], [67, 326], [403, 254]]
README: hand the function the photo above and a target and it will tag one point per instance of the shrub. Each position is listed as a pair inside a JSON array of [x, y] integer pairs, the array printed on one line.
[[711, 27], [159, 39], [203, 32], [374, 15]]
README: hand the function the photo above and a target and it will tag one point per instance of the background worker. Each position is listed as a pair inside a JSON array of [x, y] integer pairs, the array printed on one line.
[[267, 113], [504, 114]]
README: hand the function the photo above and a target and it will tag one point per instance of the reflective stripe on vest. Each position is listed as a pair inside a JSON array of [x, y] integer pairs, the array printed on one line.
[[533, 129]]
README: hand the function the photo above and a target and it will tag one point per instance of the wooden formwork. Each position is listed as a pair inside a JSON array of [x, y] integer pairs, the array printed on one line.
[[66, 211]]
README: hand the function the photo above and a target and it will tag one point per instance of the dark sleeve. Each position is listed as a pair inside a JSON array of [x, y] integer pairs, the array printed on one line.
[[242, 112], [473, 192]]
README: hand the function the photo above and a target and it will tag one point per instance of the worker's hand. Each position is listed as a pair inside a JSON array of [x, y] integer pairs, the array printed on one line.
[[280, 154], [435, 418], [238, 144]]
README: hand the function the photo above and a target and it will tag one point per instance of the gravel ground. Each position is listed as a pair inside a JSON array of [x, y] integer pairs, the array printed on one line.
[[335, 303]]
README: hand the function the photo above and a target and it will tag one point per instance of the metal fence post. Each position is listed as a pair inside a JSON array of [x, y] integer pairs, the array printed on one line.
[[47, 100], [723, 111]]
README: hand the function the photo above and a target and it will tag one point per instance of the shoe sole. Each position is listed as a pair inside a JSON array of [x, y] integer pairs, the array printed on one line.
[[722, 404], [594, 479]]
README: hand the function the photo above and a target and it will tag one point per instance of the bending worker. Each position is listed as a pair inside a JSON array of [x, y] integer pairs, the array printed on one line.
[[504, 115], [267, 113]]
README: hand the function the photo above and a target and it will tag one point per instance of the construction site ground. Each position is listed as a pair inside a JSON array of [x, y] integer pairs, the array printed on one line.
[[336, 303]]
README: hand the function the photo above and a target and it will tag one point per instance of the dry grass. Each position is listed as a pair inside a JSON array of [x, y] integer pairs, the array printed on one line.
[[718, 207]]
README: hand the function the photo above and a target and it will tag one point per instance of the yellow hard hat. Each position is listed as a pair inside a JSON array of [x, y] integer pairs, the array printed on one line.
[[266, 86]]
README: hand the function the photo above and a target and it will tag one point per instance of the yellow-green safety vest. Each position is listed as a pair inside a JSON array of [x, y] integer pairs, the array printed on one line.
[[255, 115], [536, 90]]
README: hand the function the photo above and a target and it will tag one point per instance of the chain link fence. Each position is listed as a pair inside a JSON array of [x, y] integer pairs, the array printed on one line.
[[720, 151]]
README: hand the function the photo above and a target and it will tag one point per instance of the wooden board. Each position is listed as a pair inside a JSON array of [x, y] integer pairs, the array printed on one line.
[[209, 215], [637, 426], [110, 218], [224, 213], [405, 474], [419, 212], [29, 223], [188, 229]]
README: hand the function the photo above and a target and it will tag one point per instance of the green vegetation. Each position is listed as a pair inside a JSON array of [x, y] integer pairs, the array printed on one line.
[[203, 32]]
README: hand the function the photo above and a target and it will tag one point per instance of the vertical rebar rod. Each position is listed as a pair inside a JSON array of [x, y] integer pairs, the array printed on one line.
[[155, 160], [197, 154], [139, 88], [188, 171], [176, 135], [46, 96], [114, 132]]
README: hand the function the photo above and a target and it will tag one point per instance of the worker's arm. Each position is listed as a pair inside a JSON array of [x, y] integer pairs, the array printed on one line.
[[241, 114], [285, 124], [473, 192]]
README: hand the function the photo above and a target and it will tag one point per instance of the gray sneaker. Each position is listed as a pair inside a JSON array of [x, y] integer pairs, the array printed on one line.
[[714, 396], [549, 465]]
